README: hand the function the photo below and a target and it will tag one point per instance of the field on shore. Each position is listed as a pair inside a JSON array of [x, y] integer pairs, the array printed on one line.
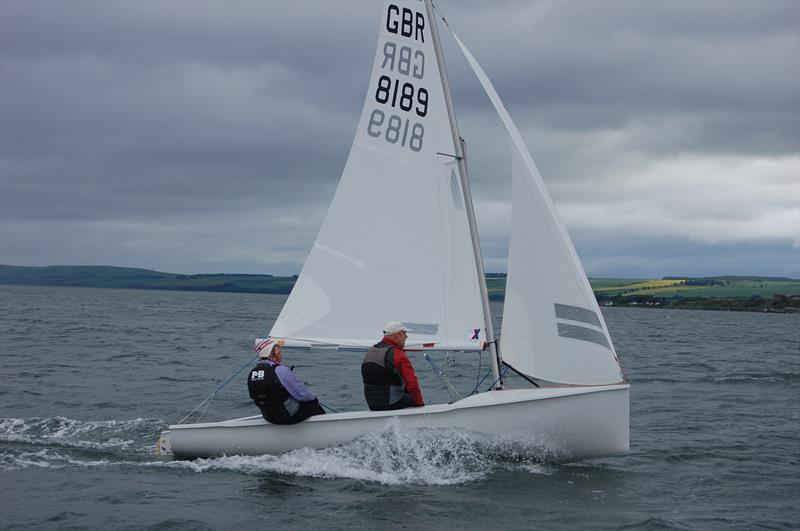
[[706, 287], [713, 287]]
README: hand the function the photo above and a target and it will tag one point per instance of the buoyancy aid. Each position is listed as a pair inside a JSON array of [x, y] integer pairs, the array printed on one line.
[[269, 394], [383, 385]]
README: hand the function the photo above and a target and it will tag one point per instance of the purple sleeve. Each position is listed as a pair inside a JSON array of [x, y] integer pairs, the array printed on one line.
[[293, 385]]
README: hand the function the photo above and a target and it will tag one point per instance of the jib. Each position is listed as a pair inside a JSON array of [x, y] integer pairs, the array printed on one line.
[[407, 23]]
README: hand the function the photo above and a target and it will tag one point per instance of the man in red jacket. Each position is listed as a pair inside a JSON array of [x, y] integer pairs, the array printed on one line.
[[388, 375]]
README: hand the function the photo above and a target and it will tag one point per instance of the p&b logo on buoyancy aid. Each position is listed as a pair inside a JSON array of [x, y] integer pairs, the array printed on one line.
[[256, 375]]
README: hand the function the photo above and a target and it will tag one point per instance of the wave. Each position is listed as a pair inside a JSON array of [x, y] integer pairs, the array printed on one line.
[[657, 523], [767, 377], [77, 434], [733, 378], [49, 458]]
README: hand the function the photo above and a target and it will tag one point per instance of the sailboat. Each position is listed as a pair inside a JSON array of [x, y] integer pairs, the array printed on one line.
[[405, 182]]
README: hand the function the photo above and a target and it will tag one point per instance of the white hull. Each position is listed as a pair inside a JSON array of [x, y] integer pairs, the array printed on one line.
[[567, 422]]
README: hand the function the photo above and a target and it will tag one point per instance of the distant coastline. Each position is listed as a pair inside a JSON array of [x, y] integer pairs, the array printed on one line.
[[737, 293], [132, 278]]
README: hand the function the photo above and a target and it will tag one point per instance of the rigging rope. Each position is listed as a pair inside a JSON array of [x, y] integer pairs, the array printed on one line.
[[502, 374], [441, 14], [326, 406], [475, 390], [478, 374], [207, 400], [442, 378], [530, 380]]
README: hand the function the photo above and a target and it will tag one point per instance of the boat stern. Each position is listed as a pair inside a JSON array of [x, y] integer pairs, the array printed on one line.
[[164, 446]]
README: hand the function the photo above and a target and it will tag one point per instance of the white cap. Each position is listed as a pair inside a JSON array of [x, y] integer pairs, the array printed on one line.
[[264, 347], [392, 327]]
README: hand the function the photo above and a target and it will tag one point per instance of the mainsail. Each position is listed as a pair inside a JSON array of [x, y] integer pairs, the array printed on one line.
[[552, 325], [395, 243]]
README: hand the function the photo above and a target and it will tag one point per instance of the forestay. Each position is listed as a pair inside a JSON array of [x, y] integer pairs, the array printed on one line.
[[395, 243], [552, 325]]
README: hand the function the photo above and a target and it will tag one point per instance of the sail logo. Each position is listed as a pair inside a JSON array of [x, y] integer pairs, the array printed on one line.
[[475, 333]]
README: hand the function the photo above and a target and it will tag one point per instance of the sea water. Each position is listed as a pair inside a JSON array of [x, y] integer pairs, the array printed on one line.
[[90, 377]]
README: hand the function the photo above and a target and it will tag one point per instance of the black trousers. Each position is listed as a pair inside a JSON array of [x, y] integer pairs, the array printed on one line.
[[404, 402], [307, 409]]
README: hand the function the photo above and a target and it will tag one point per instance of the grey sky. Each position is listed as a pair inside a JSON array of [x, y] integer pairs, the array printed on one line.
[[209, 136]]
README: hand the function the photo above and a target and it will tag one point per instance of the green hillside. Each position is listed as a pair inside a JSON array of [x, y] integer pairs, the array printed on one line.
[[125, 277], [723, 292]]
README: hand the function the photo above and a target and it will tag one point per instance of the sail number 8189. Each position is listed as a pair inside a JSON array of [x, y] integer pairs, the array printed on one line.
[[396, 130]]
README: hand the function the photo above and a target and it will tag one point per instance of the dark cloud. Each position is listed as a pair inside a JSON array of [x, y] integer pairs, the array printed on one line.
[[596, 65], [209, 136], [656, 258]]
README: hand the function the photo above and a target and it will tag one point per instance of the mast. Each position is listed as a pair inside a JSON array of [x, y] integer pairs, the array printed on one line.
[[458, 144]]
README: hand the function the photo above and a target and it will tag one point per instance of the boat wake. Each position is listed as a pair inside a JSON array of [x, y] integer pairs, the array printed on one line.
[[57, 442], [62, 431], [396, 455]]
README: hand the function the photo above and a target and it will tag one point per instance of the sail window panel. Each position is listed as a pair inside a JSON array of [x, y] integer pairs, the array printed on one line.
[[576, 313], [455, 190], [583, 334]]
